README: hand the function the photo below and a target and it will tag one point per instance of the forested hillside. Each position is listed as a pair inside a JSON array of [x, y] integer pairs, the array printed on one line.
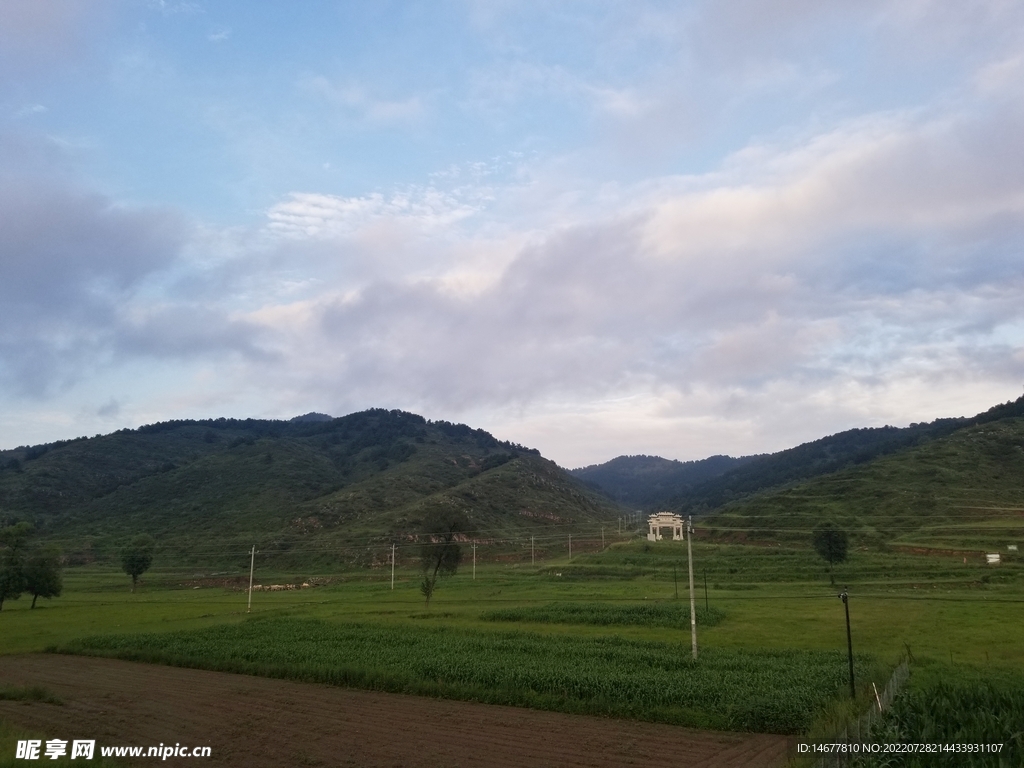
[[325, 487], [961, 491], [697, 487], [649, 481]]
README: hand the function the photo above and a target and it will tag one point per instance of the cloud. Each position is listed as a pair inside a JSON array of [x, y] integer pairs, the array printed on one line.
[[110, 409], [308, 215], [70, 260], [171, 8], [849, 262], [882, 252], [354, 101], [36, 37], [28, 110]]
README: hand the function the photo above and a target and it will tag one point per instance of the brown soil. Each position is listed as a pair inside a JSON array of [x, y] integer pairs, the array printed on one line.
[[253, 721]]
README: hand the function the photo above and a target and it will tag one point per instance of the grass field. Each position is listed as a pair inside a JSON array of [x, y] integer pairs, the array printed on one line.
[[955, 617]]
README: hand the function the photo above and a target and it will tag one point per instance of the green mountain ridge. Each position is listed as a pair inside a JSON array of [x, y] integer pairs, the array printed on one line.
[[653, 483], [959, 492], [648, 481], [316, 490], [307, 490]]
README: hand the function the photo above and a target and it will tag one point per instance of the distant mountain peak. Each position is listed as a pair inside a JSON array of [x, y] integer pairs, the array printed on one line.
[[312, 416]]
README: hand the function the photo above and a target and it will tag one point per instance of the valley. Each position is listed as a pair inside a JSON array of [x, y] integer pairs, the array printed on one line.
[[559, 603]]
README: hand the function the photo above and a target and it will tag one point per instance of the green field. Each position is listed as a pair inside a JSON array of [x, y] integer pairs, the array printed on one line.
[[594, 635], [981, 718], [649, 614], [727, 689]]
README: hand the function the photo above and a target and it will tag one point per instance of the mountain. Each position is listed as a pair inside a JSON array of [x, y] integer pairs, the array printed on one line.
[[813, 459], [649, 481], [653, 483], [307, 489], [311, 416], [964, 490]]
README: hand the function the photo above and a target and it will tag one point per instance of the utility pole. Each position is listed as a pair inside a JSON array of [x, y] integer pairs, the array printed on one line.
[[570, 547], [849, 640], [533, 560], [392, 565], [474, 561], [693, 603], [706, 606], [602, 538], [252, 563], [620, 526]]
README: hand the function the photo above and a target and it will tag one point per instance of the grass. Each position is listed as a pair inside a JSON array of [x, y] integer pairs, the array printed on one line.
[[768, 691]]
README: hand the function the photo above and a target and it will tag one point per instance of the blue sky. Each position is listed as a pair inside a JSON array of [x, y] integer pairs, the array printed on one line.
[[592, 227]]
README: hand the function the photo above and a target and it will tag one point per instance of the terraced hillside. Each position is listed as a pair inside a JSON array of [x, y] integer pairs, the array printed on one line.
[[964, 491], [696, 487]]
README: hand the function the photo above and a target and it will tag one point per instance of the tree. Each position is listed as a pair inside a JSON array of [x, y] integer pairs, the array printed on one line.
[[12, 561], [440, 554], [831, 543], [138, 556], [43, 574]]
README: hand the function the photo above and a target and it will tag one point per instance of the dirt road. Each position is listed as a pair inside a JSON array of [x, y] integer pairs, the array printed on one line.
[[252, 721]]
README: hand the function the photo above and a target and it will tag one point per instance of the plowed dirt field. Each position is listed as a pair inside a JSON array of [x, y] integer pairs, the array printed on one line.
[[252, 721]]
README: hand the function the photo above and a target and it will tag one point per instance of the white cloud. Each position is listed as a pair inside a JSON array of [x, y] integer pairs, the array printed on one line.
[[848, 263], [310, 215], [844, 265], [29, 109], [354, 99]]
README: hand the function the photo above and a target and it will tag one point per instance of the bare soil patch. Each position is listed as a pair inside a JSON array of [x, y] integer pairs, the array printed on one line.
[[253, 721]]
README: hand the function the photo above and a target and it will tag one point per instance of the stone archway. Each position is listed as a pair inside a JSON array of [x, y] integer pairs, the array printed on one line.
[[660, 520]]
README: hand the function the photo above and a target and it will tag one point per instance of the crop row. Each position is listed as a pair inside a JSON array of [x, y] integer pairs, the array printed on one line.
[[766, 691], [974, 714], [648, 614]]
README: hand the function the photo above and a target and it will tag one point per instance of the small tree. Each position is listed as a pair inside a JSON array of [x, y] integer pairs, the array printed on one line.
[[12, 561], [440, 554], [831, 543], [43, 574], [138, 556]]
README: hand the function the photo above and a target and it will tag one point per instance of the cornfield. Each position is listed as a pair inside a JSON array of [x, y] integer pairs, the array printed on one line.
[[957, 713], [765, 691], [651, 614]]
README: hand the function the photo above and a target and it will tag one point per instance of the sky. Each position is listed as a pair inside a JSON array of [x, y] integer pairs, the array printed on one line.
[[594, 228]]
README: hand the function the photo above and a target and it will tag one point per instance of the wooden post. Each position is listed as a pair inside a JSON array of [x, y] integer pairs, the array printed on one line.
[[252, 563], [392, 565], [533, 561], [693, 603], [570, 547], [849, 640], [474, 561], [602, 538]]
